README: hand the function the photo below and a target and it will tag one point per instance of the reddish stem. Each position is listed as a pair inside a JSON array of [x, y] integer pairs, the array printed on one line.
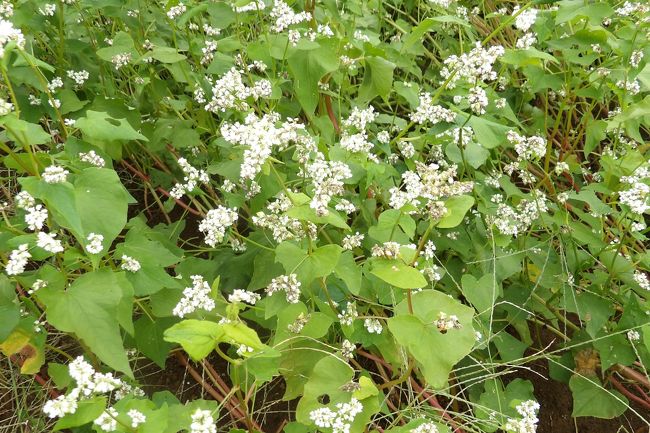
[[628, 393], [330, 113]]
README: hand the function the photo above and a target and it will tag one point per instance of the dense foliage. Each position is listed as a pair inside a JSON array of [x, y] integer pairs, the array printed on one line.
[[390, 206]]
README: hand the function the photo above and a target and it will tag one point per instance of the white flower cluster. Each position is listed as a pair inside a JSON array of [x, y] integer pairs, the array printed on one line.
[[261, 136], [54, 84], [18, 260], [351, 242], [471, 67], [478, 100], [193, 176], [350, 314], [203, 422], [528, 423], [176, 11], [527, 148], [94, 245], [6, 8], [630, 8], [355, 137], [137, 417], [299, 323], [526, 19], [6, 107], [49, 243], [284, 16], [526, 41], [47, 10], [373, 326], [637, 196], [92, 158], [428, 186], [287, 283], [79, 77], [427, 427], [446, 322], [230, 92], [89, 384], [642, 280], [9, 33], [107, 420], [215, 224], [340, 420], [635, 58], [633, 335], [55, 174], [196, 296], [347, 349], [427, 112], [388, 250], [283, 227], [120, 60], [632, 87], [130, 264], [35, 217], [239, 295], [512, 221], [24, 200], [327, 177]]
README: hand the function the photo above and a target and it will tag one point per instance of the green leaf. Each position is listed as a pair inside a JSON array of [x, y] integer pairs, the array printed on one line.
[[457, 208], [591, 399], [347, 270], [24, 132], [87, 411], [398, 274], [101, 126], [149, 338], [197, 337], [167, 55], [436, 352], [307, 68], [377, 80], [96, 203], [88, 308], [319, 263], [306, 213], [9, 308]]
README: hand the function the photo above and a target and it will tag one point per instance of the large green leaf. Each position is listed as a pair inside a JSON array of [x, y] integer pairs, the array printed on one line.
[[197, 337], [436, 352], [319, 263], [88, 308], [398, 274], [457, 208], [378, 78], [307, 68], [96, 202], [591, 399], [9, 308]]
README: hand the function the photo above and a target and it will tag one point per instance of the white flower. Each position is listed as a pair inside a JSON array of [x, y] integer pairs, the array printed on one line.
[[427, 427], [327, 178], [202, 422], [94, 245], [55, 174], [635, 58], [339, 421], [79, 77], [35, 217], [49, 243], [478, 100], [427, 112], [38, 284], [633, 335], [287, 283], [6, 107], [525, 19], [18, 260], [255, 5], [60, 406], [642, 280], [176, 11], [229, 92], [24, 200], [388, 250], [215, 224], [137, 417], [526, 41], [106, 421], [105, 382], [56, 83], [196, 296], [239, 295], [527, 148], [130, 264], [351, 242], [349, 315], [120, 60], [92, 158], [48, 9], [528, 422], [9, 33], [193, 176], [446, 322], [373, 326], [383, 137], [284, 16], [471, 67]]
